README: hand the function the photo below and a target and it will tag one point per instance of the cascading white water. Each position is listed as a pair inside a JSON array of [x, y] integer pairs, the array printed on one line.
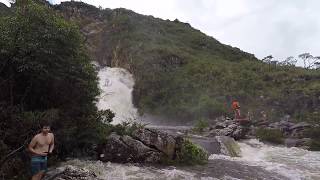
[[293, 163], [116, 86]]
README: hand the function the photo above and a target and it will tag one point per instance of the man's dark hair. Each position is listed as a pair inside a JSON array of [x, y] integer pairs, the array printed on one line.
[[44, 124]]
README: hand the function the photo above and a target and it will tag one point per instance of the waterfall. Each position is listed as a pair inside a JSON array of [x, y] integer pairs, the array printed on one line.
[[116, 85]]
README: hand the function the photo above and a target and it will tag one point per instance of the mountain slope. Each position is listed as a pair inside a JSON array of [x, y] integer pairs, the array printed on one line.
[[181, 72]]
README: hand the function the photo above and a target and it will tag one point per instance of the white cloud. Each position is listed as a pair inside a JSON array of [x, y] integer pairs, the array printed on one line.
[[6, 2]]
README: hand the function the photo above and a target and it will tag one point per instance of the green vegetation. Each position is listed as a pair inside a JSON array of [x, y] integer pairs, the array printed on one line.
[[191, 154], [127, 128], [270, 135], [314, 134], [4, 10], [200, 126], [181, 72], [45, 75]]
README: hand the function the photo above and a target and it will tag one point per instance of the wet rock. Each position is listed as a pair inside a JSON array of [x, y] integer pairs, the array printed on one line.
[[290, 142], [293, 142], [70, 173], [217, 145], [233, 130], [301, 125], [143, 146], [296, 133], [229, 146], [161, 141], [126, 149], [210, 144]]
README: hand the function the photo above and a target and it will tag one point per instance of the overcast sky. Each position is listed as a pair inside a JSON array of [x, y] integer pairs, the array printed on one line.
[[262, 27]]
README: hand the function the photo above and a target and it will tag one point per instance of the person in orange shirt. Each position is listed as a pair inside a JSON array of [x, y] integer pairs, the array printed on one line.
[[236, 109]]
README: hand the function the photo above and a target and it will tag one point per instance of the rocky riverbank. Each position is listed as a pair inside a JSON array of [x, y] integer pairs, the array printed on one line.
[[146, 148], [285, 132]]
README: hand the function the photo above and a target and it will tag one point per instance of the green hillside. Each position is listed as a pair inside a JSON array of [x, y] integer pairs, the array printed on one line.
[[181, 72]]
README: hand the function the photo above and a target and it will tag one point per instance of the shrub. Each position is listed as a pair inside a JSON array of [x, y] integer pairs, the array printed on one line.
[[191, 154]]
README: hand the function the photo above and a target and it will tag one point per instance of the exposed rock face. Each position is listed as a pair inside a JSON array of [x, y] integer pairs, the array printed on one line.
[[290, 129], [126, 149], [301, 125], [143, 146], [218, 145], [70, 173], [294, 133], [228, 146], [162, 141], [229, 128], [293, 142]]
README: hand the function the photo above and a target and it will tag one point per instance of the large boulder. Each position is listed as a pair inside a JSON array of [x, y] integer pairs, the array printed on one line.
[[217, 145], [233, 130], [70, 173], [300, 126], [229, 146], [293, 142], [159, 140], [126, 149]]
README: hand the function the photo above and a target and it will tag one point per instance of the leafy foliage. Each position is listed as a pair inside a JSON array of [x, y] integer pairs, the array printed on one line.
[[191, 154], [127, 128], [46, 75]]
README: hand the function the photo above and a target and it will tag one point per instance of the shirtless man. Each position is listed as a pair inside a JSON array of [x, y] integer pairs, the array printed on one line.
[[40, 146]]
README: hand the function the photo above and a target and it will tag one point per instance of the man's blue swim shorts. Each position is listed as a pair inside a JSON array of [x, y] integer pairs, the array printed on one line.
[[38, 164]]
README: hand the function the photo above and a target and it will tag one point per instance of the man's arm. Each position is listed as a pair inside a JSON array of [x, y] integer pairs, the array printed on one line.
[[32, 145], [51, 144]]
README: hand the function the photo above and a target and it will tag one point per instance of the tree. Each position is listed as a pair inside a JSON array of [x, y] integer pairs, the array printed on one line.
[[309, 61], [45, 69], [267, 59], [289, 61]]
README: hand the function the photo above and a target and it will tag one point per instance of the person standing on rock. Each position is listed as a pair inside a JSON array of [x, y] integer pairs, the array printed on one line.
[[236, 109], [40, 146]]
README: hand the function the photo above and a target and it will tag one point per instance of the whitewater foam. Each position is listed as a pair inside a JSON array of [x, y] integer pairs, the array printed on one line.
[[293, 163], [116, 85]]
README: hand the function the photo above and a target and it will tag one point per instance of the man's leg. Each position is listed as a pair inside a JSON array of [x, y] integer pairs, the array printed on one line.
[[36, 176], [41, 175], [38, 167], [35, 169]]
